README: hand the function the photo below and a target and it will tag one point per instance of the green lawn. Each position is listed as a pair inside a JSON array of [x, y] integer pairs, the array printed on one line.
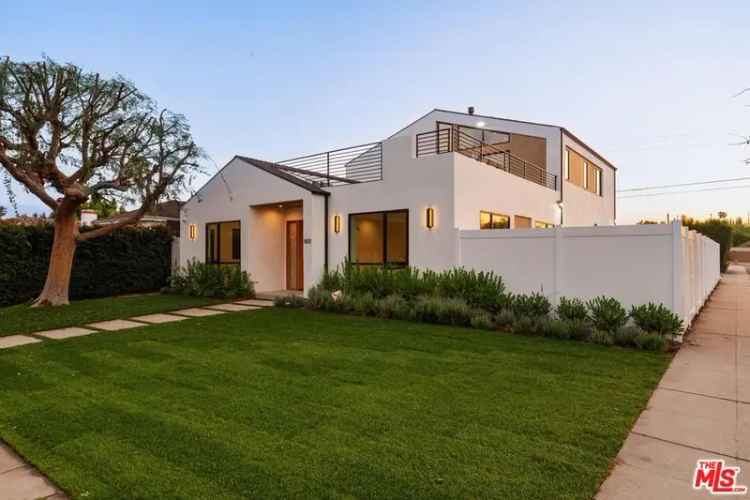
[[295, 404], [26, 319]]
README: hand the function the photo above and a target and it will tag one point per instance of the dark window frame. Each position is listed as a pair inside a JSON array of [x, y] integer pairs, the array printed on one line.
[[385, 262], [217, 253]]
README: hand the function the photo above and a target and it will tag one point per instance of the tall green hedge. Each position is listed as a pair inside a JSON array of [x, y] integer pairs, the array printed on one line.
[[719, 231], [129, 260]]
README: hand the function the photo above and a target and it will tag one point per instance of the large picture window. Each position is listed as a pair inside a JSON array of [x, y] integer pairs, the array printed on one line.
[[223, 242], [379, 238]]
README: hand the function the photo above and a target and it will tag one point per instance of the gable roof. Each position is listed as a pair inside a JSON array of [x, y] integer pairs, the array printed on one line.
[[283, 172]]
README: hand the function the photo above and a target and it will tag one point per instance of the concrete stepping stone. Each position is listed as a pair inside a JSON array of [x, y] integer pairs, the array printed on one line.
[[20, 481], [15, 341], [255, 302], [158, 318], [196, 312], [24, 483], [65, 333], [115, 325], [228, 307]]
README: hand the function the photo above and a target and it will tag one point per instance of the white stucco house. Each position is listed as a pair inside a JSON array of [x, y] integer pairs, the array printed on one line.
[[400, 201]]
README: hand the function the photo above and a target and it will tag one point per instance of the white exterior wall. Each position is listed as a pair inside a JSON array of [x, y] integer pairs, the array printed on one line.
[[583, 208], [230, 199], [455, 186], [479, 187], [408, 183], [635, 264]]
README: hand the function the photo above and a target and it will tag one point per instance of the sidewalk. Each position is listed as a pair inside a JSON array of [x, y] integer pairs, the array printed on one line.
[[700, 409]]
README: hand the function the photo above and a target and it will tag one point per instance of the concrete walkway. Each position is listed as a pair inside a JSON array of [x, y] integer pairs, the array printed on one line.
[[20, 480], [113, 325], [700, 409]]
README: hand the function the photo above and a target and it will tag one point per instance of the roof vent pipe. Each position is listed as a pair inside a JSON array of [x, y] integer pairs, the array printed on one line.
[[471, 110]]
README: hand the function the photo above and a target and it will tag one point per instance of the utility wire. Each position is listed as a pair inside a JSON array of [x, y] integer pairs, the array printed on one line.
[[664, 193], [667, 186]]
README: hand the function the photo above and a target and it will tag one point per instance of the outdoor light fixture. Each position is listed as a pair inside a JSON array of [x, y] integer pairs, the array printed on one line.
[[430, 219], [480, 124], [193, 232], [337, 224]]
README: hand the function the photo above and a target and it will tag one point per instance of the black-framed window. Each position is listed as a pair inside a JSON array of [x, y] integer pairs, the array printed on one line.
[[379, 238], [223, 242], [492, 220]]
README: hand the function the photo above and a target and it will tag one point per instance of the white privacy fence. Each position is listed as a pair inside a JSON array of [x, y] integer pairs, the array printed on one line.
[[660, 263]]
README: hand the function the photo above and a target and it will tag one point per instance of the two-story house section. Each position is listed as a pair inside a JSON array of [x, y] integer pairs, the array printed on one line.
[[396, 202]]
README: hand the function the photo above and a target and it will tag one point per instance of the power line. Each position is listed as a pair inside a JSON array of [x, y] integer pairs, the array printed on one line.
[[664, 193], [667, 186]]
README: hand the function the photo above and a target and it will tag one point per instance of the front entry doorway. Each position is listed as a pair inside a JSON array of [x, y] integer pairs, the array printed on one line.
[[294, 255]]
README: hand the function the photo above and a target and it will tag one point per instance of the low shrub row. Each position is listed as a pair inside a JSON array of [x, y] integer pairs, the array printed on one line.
[[478, 300], [457, 312], [482, 290], [210, 280]]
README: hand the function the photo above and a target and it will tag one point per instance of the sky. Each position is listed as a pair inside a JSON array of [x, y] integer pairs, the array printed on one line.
[[650, 85]]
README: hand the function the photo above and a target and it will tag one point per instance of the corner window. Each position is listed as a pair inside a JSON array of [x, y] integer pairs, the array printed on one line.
[[379, 238], [492, 220], [223, 242]]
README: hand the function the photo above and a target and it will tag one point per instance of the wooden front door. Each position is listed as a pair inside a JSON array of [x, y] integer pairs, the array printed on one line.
[[294, 255]]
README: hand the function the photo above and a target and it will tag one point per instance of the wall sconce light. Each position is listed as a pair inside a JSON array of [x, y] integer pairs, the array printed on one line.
[[430, 218], [193, 232], [337, 224]]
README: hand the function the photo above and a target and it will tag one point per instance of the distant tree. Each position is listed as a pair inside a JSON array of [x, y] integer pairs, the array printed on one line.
[[68, 136], [722, 215], [102, 206], [3, 211]]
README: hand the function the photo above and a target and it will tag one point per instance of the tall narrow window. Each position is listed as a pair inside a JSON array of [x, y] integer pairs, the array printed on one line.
[[585, 175], [379, 238], [236, 243], [223, 243], [566, 165], [598, 180]]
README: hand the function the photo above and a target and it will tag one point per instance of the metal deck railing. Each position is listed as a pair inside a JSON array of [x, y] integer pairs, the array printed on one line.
[[447, 140], [352, 165]]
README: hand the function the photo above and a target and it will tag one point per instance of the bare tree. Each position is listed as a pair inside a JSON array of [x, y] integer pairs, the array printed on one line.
[[67, 135]]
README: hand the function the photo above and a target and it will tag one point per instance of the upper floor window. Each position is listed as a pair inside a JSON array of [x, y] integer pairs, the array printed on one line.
[[542, 225], [378, 238], [585, 175], [492, 220], [581, 172]]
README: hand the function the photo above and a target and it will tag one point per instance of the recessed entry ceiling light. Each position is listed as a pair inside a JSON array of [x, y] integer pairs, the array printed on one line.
[[480, 124]]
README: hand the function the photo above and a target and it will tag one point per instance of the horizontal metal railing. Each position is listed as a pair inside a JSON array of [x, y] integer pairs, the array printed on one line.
[[352, 165], [446, 140]]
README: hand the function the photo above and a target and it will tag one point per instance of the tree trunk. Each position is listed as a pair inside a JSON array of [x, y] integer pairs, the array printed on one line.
[[57, 285]]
